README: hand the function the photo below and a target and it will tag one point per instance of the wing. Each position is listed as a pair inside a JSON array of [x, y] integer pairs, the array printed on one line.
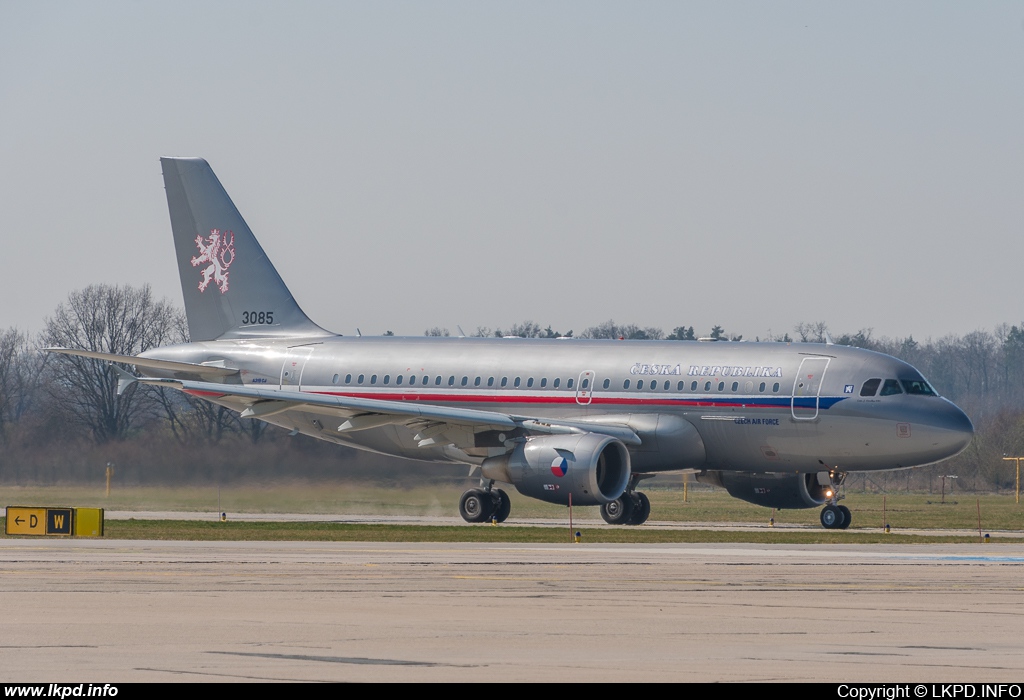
[[434, 424]]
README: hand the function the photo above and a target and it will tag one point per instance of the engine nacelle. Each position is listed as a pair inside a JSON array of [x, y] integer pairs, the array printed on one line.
[[772, 490], [593, 468]]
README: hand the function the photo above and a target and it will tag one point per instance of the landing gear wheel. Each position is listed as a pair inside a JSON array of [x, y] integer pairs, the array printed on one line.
[[641, 508], [847, 517], [475, 506], [502, 505], [619, 511], [832, 517]]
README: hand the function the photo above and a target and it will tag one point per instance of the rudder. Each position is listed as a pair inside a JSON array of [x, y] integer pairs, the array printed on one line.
[[231, 288]]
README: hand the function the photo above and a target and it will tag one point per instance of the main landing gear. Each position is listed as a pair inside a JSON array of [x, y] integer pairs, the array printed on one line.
[[483, 504], [631, 508], [835, 516]]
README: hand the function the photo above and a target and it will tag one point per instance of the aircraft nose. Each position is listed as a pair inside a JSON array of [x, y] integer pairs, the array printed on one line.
[[956, 428]]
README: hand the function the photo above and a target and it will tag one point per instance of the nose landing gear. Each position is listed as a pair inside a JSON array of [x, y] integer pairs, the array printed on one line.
[[835, 516]]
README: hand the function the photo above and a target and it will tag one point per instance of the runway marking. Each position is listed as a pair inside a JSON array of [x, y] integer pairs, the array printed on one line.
[[341, 659], [230, 675], [50, 646]]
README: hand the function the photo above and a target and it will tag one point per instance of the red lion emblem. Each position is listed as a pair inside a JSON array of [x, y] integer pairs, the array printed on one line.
[[219, 251]]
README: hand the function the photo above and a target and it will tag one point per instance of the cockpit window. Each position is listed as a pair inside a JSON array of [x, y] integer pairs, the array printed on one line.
[[918, 386], [870, 387], [890, 388]]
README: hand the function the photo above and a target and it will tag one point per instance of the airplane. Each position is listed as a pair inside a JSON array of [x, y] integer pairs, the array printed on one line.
[[571, 422]]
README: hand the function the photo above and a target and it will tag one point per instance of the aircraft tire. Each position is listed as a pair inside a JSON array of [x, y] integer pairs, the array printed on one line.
[[619, 511], [502, 505], [475, 506], [847, 517], [832, 517], [641, 509]]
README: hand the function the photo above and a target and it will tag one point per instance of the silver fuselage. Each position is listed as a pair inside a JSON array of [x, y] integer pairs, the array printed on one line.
[[754, 407]]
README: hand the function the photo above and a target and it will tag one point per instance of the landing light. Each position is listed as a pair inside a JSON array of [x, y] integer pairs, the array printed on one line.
[[828, 493]]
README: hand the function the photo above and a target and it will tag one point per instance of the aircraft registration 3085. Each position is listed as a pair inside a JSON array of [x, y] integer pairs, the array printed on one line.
[[580, 421]]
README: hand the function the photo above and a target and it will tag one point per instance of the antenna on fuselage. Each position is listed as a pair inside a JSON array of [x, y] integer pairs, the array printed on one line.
[[462, 333], [359, 333]]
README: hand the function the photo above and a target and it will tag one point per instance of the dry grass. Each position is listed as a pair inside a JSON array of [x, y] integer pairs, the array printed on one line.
[[901, 511]]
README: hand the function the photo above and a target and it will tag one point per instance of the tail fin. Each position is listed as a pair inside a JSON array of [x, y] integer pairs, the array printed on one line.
[[231, 288]]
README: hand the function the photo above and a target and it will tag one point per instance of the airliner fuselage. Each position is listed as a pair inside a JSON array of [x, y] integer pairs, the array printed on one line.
[[786, 407], [565, 421]]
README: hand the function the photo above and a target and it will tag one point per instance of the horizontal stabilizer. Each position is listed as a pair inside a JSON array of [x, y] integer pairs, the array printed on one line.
[[163, 365]]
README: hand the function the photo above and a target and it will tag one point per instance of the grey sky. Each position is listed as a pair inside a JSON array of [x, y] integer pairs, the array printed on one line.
[[415, 164]]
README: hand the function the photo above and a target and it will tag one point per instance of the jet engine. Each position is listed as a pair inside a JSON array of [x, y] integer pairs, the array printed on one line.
[[772, 490], [593, 468]]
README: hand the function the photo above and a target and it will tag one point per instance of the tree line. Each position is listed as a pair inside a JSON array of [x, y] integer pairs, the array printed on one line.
[[62, 419]]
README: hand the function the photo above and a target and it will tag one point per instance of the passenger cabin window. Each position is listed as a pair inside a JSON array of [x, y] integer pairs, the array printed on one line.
[[437, 382], [451, 381], [607, 383], [775, 388], [373, 379], [891, 388], [360, 380], [735, 386], [412, 379], [398, 379], [640, 384], [870, 387], [666, 385], [679, 387], [529, 383], [387, 378], [504, 381], [918, 387], [721, 386], [625, 384], [476, 382], [490, 381], [336, 379], [693, 386], [568, 383], [763, 385], [707, 386], [585, 383], [517, 382], [543, 382], [554, 384], [465, 381]]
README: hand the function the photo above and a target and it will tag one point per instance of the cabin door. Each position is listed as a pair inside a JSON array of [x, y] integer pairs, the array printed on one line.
[[807, 387], [293, 366]]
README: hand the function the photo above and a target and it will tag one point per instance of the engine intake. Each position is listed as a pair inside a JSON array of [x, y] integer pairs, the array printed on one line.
[[593, 468]]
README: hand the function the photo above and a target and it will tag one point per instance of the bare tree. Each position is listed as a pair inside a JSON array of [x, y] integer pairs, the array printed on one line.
[[816, 332], [629, 331], [121, 320], [19, 371]]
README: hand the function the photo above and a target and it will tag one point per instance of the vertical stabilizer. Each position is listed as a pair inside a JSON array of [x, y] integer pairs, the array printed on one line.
[[231, 288]]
